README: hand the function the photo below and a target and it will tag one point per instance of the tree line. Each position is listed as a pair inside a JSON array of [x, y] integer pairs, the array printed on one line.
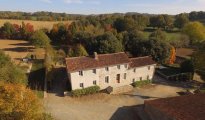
[[113, 34], [52, 16]]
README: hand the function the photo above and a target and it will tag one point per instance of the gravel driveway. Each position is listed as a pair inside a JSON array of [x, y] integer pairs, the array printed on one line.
[[106, 107]]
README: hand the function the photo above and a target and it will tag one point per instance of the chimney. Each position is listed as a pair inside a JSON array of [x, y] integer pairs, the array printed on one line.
[[96, 55]]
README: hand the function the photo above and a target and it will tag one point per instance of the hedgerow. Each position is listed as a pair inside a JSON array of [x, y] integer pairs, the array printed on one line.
[[141, 83], [85, 91]]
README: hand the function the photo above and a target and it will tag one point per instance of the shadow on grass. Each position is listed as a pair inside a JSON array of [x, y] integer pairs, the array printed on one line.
[[19, 49]]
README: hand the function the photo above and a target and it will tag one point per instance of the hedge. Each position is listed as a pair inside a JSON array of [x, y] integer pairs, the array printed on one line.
[[141, 83], [85, 91]]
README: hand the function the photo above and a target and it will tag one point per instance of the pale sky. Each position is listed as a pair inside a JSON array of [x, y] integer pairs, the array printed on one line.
[[104, 6]]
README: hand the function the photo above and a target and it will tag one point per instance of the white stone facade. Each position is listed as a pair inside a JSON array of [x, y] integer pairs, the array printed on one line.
[[126, 75]]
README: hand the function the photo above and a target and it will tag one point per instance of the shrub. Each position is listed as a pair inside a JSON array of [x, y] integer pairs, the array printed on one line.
[[187, 66], [85, 91], [141, 83]]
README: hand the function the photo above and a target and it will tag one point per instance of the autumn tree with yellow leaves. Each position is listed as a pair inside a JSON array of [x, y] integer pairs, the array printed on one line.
[[20, 103]]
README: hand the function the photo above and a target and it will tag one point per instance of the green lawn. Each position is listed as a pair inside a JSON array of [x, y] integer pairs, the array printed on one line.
[[170, 36]]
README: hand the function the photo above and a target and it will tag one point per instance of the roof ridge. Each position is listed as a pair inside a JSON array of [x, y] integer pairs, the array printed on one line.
[[139, 57], [111, 53], [76, 57]]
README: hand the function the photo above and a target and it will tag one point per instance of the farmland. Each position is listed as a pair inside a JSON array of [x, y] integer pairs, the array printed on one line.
[[16, 49], [37, 24]]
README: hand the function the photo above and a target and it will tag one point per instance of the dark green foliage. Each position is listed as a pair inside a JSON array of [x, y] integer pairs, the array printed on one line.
[[159, 50], [77, 51], [108, 43], [40, 39], [158, 35], [187, 66], [85, 91], [135, 43], [141, 83], [8, 30], [181, 20]]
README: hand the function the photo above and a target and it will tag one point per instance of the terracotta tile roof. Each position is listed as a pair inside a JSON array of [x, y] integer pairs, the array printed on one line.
[[184, 52], [141, 61], [81, 63], [189, 107]]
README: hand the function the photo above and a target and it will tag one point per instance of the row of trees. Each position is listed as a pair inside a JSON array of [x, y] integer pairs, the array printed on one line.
[[15, 31]]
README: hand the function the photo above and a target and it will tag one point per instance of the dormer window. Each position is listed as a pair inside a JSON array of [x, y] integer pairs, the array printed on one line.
[[107, 68], [118, 66], [81, 73]]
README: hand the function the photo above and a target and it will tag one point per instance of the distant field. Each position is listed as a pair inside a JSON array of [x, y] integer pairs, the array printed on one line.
[[18, 49], [37, 24]]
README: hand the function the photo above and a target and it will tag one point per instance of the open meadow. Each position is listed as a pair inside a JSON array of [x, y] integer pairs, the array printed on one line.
[[16, 49], [37, 24]]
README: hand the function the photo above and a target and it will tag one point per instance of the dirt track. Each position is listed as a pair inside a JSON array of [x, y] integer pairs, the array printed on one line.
[[105, 107]]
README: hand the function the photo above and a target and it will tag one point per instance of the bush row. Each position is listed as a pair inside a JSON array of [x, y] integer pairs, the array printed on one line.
[[85, 91], [141, 83]]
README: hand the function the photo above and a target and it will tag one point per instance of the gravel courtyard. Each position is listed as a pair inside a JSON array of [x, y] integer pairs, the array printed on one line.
[[104, 106]]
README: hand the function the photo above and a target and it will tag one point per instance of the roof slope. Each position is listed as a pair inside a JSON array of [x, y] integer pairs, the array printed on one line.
[[184, 52], [189, 107], [141, 61], [81, 63]]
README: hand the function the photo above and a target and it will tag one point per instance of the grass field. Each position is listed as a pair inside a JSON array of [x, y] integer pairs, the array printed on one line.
[[16, 49], [37, 24], [170, 36]]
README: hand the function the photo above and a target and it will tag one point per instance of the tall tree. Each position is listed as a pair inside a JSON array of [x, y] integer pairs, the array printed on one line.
[[40, 39], [181, 20], [108, 43], [19, 103], [195, 31]]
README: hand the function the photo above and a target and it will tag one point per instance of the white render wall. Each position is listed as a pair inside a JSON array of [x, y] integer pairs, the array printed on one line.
[[88, 76]]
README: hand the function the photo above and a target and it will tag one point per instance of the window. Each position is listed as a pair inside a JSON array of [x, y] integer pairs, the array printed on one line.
[[125, 65], [94, 82], [133, 80], [107, 79], [118, 78], [81, 73], [148, 67], [140, 78], [147, 77], [125, 75], [107, 69], [134, 70], [118, 67], [81, 85], [94, 71]]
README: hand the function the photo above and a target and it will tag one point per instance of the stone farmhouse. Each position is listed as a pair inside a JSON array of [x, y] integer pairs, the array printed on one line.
[[106, 70]]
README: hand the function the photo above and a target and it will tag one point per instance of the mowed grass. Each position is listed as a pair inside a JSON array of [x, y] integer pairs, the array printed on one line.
[[37, 24], [169, 36], [16, 49]]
